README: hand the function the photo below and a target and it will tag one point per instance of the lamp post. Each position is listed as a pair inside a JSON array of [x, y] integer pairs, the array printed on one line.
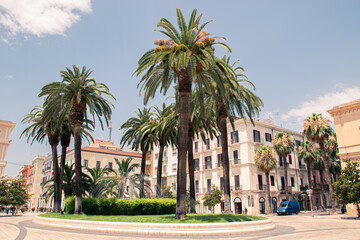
[[309, 192]]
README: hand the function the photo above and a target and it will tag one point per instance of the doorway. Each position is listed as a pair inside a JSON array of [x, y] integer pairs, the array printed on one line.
[[238, 205], [274, 204], [262, 205]]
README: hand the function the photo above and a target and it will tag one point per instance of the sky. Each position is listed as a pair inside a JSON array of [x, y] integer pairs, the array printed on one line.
[[302, 56]]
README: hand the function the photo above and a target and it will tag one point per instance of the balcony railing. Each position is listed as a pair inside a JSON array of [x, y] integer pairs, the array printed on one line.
[[302, 166], [282, 190], [304, 188], [262, 187]]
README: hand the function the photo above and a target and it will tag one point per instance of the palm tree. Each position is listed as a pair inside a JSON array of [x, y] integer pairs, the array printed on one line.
[[307, 151], [98, 182], [265, 160], [123, 176], [77, 93], [284, 144], [38, 130], [320, 166], [187, 53], [139, 139], [317, 129]]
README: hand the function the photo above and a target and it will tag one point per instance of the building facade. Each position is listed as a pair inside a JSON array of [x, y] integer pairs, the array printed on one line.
[[347, 127], [247, 183], [5, 130]]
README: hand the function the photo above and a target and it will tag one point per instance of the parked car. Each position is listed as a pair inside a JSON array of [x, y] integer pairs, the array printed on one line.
[[343, 209], [288, 207]]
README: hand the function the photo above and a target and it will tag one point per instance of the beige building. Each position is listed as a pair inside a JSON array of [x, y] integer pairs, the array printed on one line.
[[35, 181], [347, 126], [247, 183], [5, 129]]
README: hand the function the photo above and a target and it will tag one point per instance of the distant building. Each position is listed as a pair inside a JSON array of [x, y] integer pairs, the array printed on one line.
[[347, 126], [247, 183], [34, 182], [5, 129]]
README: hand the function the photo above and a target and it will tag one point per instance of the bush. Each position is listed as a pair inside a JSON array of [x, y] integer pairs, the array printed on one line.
[[114, 206]]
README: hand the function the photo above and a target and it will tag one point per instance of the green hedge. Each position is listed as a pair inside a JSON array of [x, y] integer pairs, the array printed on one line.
[[115, 206]]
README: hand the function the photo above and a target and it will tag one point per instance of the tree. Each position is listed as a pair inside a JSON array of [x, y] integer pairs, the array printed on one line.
[[213, 197], [166, 192], [187, 53], [98, 181], [319, 165], [40, 128], [307, 151], [138, 138], [284, 144], [123, 176], [265, 160], [77, 93], [317, 129], [347, 188], [13, 192]]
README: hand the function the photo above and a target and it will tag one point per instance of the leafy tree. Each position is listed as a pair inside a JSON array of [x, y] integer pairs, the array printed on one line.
[[13, 192], [136, 136], [186, 54], [347, 188], [284, 144], [317, 129], [77, 93], [265, 160], [213, 197]]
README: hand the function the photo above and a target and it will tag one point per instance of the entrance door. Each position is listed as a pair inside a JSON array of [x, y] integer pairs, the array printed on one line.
[[274, 205], [262, 205], [238, 205]]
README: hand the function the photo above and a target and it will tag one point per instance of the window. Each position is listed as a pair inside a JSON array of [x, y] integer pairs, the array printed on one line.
[[196, 147], [297, 143], [207, 143], [260, 182], [164, 170], [110, 165], [209, 185], [290, 159], [173, 186], [234, 137], [156, 156], [86, 163], [196, 161], [98, 164], [272, 180], [292, 182], [196, 186], [314, 180], [237, 182], [218, 141], [236, 156], [281, 162], [268, 137], [222, 183], [220, 160], [174, 167], [208, 162], [256, 136], [282, 183], [302, 182]]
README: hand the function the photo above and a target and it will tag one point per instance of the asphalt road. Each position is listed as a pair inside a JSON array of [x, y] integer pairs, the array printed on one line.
[[301, 226]]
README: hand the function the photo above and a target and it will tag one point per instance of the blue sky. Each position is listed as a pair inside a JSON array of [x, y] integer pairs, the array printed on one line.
[[303, 56]]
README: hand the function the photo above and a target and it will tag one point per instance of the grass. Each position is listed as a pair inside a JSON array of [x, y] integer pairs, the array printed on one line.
[[170, 218]]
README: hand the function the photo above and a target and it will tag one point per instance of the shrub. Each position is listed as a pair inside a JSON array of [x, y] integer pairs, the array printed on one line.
[[114, 206]]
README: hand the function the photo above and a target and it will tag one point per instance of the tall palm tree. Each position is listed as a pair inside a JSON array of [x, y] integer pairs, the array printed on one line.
[[307, 151], [318, 129], [39, 128], [265, 160], [164, 127], [135, 136], [123, 176], [284, 144], [320, 166], [80, 95], [187, 53]]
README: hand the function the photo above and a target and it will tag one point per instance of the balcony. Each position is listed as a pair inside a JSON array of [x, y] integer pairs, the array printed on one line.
[[304, 188], [302, 166], [262, 187], [236, 188], [259, 141], [282, 190]]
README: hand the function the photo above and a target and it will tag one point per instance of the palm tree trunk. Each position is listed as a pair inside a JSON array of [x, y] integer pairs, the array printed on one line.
[[322, 195], [184, 92], [65, 141], [57, 204], [286, 179], [268, 190], [327, 176], [309, 172], [191, 168], [159, 169], [225, 155], [142, 173], [78, 170]]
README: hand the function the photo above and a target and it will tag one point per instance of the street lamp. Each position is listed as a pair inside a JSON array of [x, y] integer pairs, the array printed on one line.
[[310, 191]]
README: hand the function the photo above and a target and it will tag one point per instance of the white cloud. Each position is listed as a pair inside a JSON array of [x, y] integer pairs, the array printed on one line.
[[321, 104], [39, 17]]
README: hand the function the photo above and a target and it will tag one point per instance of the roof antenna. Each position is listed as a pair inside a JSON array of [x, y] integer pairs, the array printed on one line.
[[110, 128]]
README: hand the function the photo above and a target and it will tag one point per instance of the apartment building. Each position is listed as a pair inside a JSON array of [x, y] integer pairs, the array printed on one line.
[[35, 181], [98, 154], [6, 128], [248, 189]]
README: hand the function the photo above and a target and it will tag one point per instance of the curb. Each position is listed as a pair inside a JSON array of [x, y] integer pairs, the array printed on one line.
[[160, 229]]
